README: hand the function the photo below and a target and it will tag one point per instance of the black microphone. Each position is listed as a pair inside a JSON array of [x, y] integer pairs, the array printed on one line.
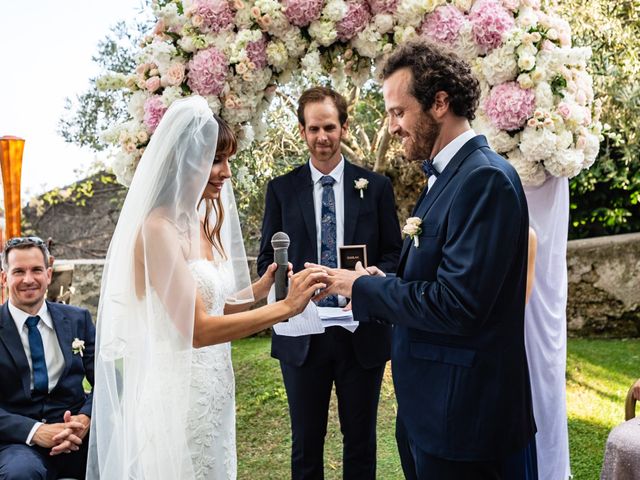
[[280, 244]]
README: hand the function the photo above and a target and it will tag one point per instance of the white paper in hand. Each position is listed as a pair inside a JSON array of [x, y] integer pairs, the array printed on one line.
[[306, 323]]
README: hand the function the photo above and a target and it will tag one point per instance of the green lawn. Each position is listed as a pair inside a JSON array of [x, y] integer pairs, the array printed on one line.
[[599, 373]]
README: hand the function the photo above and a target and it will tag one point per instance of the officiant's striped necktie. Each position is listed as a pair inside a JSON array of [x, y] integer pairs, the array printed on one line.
[[328, 250]]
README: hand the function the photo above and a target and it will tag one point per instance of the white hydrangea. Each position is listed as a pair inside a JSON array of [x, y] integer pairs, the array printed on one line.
[[531, 173], [500, 65], [544, 96], [294, 41], [170, 16], [310, 64], [136, 104], [334, 10], [214, 103], [383, 22], [565, 163], [243, 18], [499, 140], [564, 139], [537, 143], [465, 45], [187, 43], [171, 94], [160, 53], [527, 18], [124, 166], [323, 32], [368, 42], [411, 12], [277, 55]]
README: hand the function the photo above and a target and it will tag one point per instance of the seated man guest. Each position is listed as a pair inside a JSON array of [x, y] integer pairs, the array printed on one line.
[[46, 350]]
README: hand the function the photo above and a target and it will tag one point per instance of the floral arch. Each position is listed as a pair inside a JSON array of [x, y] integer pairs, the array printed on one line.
[[537, 105]]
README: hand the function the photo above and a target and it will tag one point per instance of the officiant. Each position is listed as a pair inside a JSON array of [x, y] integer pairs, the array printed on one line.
[[323, 205]]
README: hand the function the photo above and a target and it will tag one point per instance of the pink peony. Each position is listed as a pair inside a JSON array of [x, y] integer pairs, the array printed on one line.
[[354, 21], [383, 6], [302, 12], [490, 20], [257, 53], [207, 72], [508, 106], [153, 111], [443, 25], [212, 15]]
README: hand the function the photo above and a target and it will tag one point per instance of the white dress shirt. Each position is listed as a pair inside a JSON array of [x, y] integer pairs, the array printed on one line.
[[444, 156], [52, 352], [338, 191]]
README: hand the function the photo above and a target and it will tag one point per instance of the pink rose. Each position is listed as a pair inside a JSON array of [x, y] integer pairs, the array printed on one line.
[[174, 75], [152, 84], [564, 110]]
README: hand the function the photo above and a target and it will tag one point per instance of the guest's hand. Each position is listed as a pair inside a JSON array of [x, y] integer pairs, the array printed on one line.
[[261, 287], [636, 390], [50, 435], [302, 286], [71, 438], [339, 281]]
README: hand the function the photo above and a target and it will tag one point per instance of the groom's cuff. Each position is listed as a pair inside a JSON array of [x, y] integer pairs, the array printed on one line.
[[361, 301]]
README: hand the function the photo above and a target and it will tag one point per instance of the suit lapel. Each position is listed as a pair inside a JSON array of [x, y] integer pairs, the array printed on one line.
[[62, 326], [11, 338], [304, 188], [427, 197], [351, 203], [448, 173]]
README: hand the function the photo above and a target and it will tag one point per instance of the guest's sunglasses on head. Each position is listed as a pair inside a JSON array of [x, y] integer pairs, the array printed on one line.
[[16, 241]]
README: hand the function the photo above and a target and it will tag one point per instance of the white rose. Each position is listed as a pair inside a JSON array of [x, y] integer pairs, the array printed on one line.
[[565, 163], [383, 22], [525, 81], [526, 62]]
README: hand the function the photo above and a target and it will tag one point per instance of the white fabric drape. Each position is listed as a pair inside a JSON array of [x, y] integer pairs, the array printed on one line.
[[546, 326]]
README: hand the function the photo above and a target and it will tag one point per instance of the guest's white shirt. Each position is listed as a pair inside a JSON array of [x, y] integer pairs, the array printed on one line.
[[444, 156], [338, 192], [52, 352]]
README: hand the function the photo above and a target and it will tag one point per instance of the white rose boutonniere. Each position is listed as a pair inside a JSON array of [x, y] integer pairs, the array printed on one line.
[[412, 228], [77, 346], [361, 184]]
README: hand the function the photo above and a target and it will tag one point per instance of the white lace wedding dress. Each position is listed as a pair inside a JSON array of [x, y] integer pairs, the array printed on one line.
[[211, 420]]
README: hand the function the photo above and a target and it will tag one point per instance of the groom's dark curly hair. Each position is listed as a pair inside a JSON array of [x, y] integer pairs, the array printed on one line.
[[436, 69]]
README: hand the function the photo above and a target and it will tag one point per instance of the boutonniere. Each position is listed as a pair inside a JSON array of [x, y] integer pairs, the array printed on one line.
[[77, 346], [361, 184], [412, 228]]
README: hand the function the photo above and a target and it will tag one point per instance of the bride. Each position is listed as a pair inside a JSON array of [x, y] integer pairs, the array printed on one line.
[[175, 290]]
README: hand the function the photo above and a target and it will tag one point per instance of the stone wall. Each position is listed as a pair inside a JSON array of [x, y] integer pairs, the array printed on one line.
[[603, 273], [604, 286]]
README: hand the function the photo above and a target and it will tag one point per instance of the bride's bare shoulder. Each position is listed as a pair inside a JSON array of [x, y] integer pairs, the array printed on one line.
[[159, 223]]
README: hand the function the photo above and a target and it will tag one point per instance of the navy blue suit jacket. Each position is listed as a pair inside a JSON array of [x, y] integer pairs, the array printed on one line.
[[19, 408], [371, 220], [458, 354]]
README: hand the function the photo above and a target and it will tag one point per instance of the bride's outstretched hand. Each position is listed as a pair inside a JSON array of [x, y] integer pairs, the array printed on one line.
[[302, 287], [261, 287]]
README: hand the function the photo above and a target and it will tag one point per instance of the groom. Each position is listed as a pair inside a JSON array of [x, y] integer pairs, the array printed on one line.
[[320, 206], [458, 354]]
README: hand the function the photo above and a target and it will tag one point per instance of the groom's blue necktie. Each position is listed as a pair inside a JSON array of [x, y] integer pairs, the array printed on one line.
[[328, 250], [38, 362]]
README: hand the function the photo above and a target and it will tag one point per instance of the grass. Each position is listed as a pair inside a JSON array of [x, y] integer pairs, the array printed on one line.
[[599, 373]]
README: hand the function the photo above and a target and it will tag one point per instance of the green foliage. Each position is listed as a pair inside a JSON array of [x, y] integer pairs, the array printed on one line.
[[94, 111], [605, 197]]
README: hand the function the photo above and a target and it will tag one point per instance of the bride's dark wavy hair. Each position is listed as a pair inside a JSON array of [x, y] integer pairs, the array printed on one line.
[[226, 147]]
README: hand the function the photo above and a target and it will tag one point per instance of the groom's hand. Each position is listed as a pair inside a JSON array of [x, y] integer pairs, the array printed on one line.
[[339, 281]]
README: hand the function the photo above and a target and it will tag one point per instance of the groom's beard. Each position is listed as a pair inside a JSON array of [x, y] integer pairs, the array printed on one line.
[[422, 139]]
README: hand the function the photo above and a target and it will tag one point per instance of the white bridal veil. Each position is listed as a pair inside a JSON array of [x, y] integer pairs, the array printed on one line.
[[147, 302]]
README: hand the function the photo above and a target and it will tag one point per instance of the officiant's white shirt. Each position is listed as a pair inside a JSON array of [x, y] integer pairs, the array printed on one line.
[[444, 156], [338, 191]]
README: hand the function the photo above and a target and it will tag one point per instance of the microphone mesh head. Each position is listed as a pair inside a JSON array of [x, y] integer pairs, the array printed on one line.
[[280, 240]]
